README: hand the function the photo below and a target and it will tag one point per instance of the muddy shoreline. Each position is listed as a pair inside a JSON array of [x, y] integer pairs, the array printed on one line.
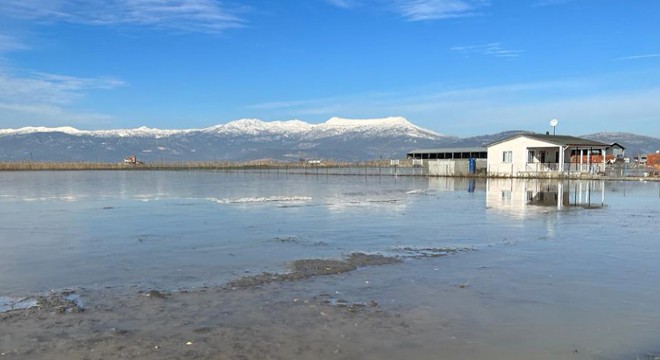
[[319, 309], [254, 317]]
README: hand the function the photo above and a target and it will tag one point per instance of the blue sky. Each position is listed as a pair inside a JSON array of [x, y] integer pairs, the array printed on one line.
[[459, 67]]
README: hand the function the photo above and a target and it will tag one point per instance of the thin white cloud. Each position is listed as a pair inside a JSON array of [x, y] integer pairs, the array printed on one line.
[[279, 104], [490, 49], [345, 4], [413, 102], [637, 57], [186, 15], [48, 97], [8, 43], [540, 3], [418, 10], [583, 105], [50, 88], [43, 114]]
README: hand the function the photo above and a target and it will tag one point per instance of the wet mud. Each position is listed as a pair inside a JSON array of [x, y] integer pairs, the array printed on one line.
[[285, 318], [255, 323], [271, 321], [56, 302], [307, 268]]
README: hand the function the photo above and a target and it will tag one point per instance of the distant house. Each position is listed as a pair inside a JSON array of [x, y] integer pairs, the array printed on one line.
[[552, 155], [615, 150]]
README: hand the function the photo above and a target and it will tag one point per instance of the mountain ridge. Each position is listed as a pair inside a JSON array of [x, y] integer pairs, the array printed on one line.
[[242, 126], [251, 139]]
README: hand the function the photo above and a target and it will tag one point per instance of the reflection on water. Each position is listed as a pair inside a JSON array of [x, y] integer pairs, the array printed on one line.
[[579, 273], [520, 198]]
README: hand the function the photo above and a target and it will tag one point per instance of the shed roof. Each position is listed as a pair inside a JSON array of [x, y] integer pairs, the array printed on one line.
[[448, 150], [564, 140]]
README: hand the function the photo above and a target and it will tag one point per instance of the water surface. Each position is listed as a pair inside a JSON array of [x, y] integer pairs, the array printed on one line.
[[558, 268]]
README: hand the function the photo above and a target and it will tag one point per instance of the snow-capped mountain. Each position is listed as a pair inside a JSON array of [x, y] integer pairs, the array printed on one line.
[[140, 132], [245, 139], [250, 139], [334, 126]]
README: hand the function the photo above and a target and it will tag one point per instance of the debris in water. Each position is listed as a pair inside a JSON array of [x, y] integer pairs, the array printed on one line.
[[430, 252]]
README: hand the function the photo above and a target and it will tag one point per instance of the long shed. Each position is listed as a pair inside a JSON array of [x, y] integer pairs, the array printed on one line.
[[449, 153]]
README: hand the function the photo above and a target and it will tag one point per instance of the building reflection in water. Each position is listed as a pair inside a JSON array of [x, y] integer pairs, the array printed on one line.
[[520, 197], [470, 185]]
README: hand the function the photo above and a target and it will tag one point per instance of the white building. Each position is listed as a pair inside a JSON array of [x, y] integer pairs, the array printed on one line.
[[525, 155]]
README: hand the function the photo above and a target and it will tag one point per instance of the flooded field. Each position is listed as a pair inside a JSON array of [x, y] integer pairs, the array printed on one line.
[[270, 265]]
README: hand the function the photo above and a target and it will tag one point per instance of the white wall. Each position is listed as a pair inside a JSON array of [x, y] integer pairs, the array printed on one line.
[[518, 146], [457, 167]]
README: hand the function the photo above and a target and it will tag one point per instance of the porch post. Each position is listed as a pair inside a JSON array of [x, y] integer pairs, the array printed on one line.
[[581, 160], [604, 153], [561, 159]]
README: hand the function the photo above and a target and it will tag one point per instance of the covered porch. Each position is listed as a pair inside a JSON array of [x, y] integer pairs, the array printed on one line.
[[566, 159]]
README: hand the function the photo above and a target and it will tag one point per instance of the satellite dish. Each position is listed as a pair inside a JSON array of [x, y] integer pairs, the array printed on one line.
[[554, 123]]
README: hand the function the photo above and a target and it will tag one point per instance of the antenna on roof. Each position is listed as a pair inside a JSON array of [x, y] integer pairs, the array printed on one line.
[[554, 123]]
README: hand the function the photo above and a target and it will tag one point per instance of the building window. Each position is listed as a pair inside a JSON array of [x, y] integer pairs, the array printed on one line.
[[530, 156], [507, 156]]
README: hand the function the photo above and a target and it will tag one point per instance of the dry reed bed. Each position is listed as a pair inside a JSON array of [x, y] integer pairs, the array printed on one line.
[[189, 165]]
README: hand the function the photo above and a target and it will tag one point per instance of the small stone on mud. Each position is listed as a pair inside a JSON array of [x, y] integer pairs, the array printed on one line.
[[65, 302], [155, 294]]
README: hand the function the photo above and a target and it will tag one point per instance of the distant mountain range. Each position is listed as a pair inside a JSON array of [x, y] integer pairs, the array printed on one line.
[[251, 139], [634, 144]]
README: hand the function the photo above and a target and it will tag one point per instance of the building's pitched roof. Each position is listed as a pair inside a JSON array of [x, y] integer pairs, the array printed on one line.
[[563, 140], [614, 144], [448, 150]]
